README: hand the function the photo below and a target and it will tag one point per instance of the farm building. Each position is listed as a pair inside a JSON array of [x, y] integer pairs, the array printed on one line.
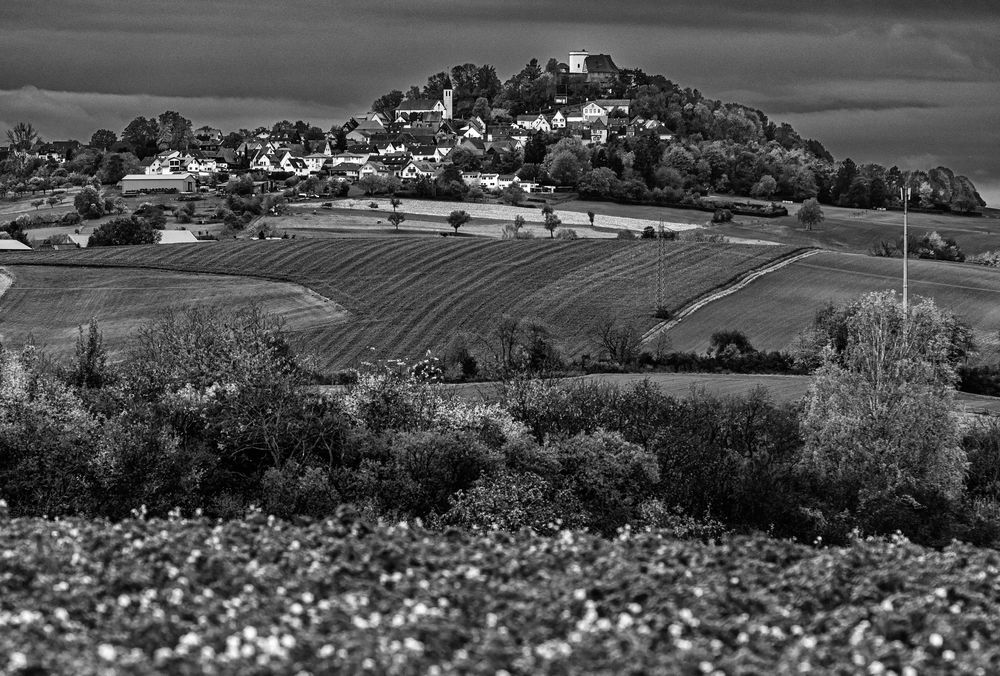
[[134, 183]]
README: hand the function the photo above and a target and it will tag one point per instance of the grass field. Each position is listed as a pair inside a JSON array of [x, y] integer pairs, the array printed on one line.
[[857, 231], [407, 295], [851, 230], [773, 309], [47, 304]]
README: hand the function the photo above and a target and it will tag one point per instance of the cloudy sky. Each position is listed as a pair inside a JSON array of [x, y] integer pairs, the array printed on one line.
[[911, 83]]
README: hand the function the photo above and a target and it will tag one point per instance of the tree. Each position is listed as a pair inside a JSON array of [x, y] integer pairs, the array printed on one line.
[[764, 188], [458, 218], [551, 223], [396, 217], [22, 136], [103, 139], [115, 166], [174, 131], [125, 230], [387, 103], [881, 439], [513, 194], [89, 203], [810, 213], [590, 215]]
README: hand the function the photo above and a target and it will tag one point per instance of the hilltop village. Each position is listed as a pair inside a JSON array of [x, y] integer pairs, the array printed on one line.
[[582, 126], [419, 138]]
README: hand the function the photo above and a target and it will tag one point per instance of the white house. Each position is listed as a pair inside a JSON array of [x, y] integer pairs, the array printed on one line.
[[315, 162], [416, 170], [604, 107], [489, 181], [373, 168]]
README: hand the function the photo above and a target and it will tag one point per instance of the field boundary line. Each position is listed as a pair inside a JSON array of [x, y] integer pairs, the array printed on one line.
[[737, 285]]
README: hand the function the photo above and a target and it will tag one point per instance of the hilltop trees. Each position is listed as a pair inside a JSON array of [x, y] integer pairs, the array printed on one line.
[[387, 103], [22, 136], [103, 139]]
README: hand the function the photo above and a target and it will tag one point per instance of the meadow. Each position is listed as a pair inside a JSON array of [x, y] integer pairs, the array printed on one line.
[[408, 295], [46, 305], [776, 307]]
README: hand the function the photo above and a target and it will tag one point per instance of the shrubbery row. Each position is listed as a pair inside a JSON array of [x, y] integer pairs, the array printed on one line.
[[212, 410]]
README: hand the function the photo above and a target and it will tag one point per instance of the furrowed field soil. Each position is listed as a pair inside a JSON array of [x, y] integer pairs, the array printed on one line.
[[773, 309], [408, 295]]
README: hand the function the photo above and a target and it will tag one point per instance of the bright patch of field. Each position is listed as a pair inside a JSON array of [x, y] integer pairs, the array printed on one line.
[[407, 295], [47, 303], [773, 309], [504, 213]]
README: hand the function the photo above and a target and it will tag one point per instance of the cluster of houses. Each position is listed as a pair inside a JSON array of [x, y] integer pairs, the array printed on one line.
[[418, 139]]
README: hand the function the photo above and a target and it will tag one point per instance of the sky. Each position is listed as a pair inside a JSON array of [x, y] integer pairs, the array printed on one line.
[[914, 83]]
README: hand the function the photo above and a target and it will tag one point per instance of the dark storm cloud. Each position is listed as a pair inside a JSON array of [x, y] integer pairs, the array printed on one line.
[[858, 75]]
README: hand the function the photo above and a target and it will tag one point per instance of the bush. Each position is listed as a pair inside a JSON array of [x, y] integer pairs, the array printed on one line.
[[420, 471], [510, 501], [294, 490], [125, 230]]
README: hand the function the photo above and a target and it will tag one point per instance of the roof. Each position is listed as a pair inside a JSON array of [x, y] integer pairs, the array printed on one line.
[[600, 63], [417, 104], [624, 103], [157, 177], [13, 245], [177, 237]]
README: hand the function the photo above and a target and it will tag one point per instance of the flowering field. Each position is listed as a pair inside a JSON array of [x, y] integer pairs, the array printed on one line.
[[407, 295], [259, 595]]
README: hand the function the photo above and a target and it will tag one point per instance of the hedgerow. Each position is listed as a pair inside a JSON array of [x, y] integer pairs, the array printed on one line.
[[261, 595]]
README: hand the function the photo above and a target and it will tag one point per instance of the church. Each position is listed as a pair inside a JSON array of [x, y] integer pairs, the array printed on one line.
[[584, 74]]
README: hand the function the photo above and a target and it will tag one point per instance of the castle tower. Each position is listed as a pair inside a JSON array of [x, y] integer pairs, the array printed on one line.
[[578, 61], [449, 106]]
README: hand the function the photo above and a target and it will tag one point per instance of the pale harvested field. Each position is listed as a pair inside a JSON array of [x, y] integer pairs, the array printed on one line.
[[506, 213]]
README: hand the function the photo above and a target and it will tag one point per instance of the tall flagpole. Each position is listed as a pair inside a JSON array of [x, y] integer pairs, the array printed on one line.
[[904, 194]]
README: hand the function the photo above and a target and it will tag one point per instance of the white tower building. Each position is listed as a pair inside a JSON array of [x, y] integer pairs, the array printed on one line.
[[447, 100], [578, 61]]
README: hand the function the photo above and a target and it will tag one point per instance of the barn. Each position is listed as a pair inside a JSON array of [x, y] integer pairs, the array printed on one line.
[[136, 183]]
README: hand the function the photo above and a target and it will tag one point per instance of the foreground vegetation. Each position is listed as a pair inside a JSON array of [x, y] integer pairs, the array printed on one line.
[[559, 528], [343, 595]]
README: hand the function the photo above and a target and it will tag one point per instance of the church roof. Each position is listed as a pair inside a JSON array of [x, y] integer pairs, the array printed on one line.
[[600, 63]]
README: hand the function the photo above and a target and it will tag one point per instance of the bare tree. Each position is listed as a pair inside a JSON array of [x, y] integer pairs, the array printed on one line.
[[620, 341]]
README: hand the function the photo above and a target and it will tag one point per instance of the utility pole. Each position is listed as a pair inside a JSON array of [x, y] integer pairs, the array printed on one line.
[[904, 194], [660, 253]]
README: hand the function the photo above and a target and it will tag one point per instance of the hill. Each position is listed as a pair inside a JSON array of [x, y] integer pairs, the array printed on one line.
[[407, 295], [773, 309]]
